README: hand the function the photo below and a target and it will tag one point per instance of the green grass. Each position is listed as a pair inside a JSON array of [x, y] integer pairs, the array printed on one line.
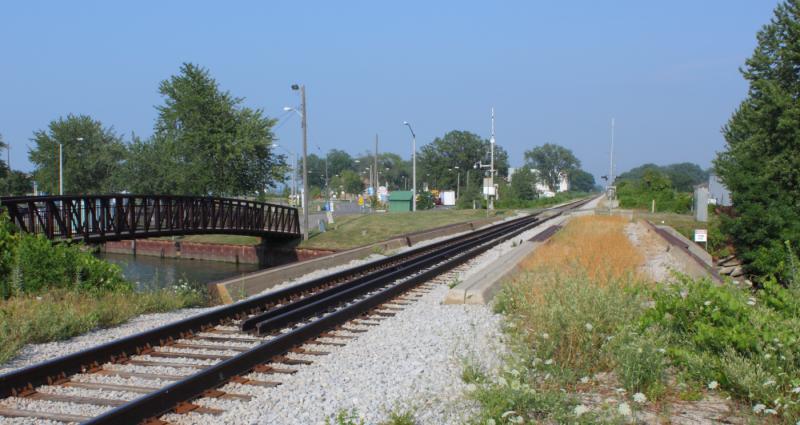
[[60, 314], [685, 224], [357, 230]]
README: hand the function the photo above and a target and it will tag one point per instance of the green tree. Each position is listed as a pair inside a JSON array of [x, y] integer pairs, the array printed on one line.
[[92, 155], [684, 176], [207, 142], [316, 170], [552, 161], [581, 181], [761, 161], [16, 183], [462, 149], [338, 161], [351, 182], [523, 185], [656, 181], [149, 167]]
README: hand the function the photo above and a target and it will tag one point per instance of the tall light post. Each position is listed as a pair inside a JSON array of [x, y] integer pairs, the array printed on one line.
[[304, 124], [60, 169], [492, 195], [61, 166], [458, 179], [413, 166]]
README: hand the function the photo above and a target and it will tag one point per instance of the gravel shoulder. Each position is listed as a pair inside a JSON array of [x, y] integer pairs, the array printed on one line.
[[410, 362]]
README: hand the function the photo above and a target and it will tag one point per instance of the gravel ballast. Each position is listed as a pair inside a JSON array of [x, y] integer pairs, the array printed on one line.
[[410, 362]]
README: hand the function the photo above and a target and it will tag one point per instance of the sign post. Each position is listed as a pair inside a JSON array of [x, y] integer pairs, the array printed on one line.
[[701, 235]]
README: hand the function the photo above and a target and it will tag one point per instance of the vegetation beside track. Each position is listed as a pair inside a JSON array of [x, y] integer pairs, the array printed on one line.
[[593, 341], [50, 292], [351, 231]]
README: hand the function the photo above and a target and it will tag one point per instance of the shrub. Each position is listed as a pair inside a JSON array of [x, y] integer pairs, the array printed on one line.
[[44, 265], [744, 341], [8, 242], [510, 397], [569, 320], [640, 361], [425, 201], [33, 264]]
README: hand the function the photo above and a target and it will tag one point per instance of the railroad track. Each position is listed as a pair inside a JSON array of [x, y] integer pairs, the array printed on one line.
[[139, 378]]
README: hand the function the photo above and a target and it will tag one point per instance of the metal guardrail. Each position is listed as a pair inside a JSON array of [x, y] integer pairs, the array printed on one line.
[[98, 218]]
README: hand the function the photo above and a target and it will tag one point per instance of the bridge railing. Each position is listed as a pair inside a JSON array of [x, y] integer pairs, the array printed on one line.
[[123, 216]]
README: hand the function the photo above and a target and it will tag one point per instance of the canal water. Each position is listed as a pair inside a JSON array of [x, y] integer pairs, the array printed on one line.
[[151, 272]]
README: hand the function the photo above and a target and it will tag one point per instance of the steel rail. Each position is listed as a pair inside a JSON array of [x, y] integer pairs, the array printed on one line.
[[58, 368], [251, 322], [273, 319], [164, 400]]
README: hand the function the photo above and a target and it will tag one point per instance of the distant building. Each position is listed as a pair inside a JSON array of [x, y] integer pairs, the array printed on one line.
[[541, 187], [717, 192]]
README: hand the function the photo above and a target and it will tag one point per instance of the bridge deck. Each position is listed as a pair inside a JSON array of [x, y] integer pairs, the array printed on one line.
[[98, 218]]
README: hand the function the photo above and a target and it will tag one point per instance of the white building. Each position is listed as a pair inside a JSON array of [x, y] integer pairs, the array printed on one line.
[[541, 187]]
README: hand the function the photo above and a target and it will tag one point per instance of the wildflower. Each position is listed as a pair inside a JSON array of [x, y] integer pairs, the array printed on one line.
[[769, 382], [758, 408], [640, 398], [770, 412], [580, 409], [624, 409], [588, 327], [662, 351], [490, 421], [502, 381], [796, 390], [545, 335], [713, 385], [507, 414], [767, 356], [585, 380], [751, 301], [707, 303], [548, 362]]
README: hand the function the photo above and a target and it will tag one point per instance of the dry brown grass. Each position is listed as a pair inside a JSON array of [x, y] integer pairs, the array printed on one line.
[[596, 246]]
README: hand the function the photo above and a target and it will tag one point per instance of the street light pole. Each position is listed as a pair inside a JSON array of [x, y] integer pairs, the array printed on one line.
[[304, 125], [413, 167], [60, 170], [491, 168], [458, 180]]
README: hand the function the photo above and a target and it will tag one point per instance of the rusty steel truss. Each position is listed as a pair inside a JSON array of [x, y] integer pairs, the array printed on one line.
[[98, 218]]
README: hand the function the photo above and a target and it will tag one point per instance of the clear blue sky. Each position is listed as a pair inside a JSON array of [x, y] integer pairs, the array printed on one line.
[[554, 71]]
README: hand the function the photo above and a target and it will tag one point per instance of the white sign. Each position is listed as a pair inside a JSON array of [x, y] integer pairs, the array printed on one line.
[[700, 235]]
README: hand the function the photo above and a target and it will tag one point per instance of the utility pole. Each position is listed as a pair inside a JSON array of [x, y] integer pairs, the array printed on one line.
[[8, 164], [304, 125], [60, 169], [413, 167], [491, 167], [377, 181], [611, 157]]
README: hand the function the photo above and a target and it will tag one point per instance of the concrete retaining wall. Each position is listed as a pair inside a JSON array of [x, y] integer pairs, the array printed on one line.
[[238, 288], [240, 254]]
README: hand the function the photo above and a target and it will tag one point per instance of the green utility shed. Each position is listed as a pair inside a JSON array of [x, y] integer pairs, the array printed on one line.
[[400, 200]]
